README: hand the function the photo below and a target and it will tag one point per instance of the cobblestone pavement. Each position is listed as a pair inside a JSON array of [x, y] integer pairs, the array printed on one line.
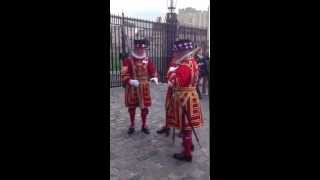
[[149, 157]]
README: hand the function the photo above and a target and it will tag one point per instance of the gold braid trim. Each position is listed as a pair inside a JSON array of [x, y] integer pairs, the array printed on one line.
[[185, 89], [183, 94]]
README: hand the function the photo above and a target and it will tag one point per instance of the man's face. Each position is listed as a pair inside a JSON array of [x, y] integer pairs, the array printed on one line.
[[179, 54], [174, 55], [139, 51]]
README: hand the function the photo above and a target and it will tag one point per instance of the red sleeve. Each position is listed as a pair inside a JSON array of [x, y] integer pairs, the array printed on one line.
[[169, 73], [126, 71], [151, 69]]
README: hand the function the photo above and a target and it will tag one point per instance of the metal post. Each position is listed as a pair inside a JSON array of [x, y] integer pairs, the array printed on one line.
[[171, 33], [123, 35]]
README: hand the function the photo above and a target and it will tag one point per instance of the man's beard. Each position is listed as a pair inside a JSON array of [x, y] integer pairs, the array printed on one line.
[[138, 56]]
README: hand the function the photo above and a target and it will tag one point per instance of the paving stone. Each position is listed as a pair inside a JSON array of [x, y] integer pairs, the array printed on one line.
[[114, 177], [137, 177], [197, 173], [173, 176], [188, 178]]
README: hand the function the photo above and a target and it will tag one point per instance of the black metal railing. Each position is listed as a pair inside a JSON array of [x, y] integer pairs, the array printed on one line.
[[123, 30]]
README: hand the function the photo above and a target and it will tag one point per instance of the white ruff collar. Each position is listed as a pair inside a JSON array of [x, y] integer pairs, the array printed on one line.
[[144, 55]]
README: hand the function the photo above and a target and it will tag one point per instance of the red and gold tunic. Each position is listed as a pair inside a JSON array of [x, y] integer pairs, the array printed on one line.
[[141, 70], [184, 81]]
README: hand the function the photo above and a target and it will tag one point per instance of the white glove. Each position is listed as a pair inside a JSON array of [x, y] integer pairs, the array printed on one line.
[[172, 69], [134, 82], [154, 80]]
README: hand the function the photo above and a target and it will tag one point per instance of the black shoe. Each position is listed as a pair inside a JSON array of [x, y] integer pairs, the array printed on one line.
[[131, 130], [182, 157], [145, 130], [164, 130]]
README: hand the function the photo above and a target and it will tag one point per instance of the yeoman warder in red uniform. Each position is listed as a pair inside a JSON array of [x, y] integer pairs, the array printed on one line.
[[137, 70], [187, 113]]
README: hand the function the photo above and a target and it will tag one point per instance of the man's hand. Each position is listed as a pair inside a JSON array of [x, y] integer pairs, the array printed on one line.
[[134, 82], [154, 80]]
